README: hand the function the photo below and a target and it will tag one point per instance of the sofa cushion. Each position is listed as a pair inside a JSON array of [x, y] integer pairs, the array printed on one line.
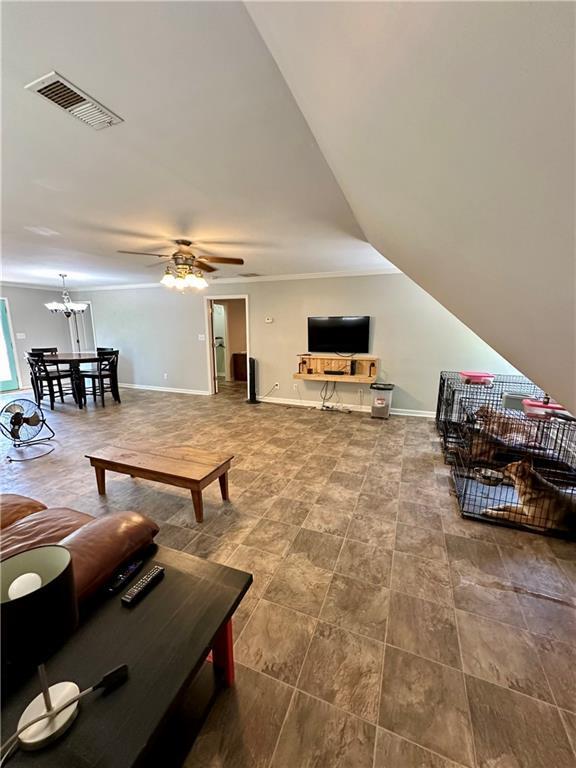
[[104, 544], [46, 527], [13, 507]]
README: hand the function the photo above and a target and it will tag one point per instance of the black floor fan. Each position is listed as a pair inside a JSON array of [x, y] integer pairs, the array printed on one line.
[[22, 421]]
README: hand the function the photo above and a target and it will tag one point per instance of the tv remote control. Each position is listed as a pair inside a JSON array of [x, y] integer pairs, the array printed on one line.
[[123, 576], [143, 586]]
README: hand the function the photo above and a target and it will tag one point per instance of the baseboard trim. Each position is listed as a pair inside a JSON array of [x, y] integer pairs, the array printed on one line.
[[286, 401], [348, 406], [165, 389], [311, 403], [418, 414]]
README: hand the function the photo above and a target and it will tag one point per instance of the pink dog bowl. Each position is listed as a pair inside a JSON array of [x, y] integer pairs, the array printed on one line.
[[476, 377]]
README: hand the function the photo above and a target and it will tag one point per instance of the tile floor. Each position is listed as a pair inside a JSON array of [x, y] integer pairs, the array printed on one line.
[[382, 630]]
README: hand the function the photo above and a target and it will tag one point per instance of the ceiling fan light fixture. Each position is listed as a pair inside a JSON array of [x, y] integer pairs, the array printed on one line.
[[201, 281], [168, 279], [180, 282], [190, 280], [185, 277]]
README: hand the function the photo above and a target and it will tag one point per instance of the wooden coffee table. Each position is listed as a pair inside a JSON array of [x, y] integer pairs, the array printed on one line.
[[185, 467]]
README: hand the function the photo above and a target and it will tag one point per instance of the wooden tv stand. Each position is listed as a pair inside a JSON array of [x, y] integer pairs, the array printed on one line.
[[366, 368]]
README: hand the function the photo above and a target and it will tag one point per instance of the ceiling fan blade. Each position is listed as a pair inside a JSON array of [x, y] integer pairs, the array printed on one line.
[[221, 260], [141, 253], [118, 231], [198, 264]]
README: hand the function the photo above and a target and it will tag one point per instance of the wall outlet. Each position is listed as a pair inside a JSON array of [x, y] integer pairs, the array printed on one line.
[[295, 386], [277, 385], [165, 377], [20, 336], [201, 337]]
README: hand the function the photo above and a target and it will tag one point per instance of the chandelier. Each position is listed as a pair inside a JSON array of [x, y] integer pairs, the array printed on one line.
[[182, 276], [66, 306]]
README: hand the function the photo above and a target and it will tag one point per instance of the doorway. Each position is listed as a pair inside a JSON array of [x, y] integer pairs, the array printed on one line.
[[9, 379], [82, 333], [227, 340]]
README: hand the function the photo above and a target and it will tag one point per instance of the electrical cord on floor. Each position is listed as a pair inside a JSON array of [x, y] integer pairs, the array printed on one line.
[[340, 405], [10, 459], [327, 394], [108, 682], [272, 388]]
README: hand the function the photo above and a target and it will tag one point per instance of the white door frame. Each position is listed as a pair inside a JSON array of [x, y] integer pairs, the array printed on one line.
[[227, 368], [209, 340], [71, 331]]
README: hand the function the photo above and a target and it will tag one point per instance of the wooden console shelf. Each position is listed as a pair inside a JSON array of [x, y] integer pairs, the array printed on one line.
[[314, 367]]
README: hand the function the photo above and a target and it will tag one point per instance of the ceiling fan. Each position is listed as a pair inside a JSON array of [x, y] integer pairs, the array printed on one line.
[[185, 269]]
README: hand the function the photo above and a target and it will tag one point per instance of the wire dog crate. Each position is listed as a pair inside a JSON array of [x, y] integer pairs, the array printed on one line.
[[515, 470], [457, 400]]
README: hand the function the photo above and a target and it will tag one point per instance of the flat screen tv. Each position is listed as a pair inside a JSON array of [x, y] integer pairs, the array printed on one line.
[[348, 335]]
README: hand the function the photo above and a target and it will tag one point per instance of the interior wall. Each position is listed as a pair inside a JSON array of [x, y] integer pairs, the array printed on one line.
[[161, 336], [159, 332], [40, 327]]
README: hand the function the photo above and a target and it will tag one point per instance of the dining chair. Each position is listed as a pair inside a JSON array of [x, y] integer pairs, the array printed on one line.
[[105, 377], [47, 376], [65, 369]]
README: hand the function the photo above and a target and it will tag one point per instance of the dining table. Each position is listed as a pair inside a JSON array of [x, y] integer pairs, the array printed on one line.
[[74, 360]]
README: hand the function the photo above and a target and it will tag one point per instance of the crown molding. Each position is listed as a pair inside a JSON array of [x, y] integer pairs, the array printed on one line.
[[219, 281], [261, 279], [124, 287], [309, 276], [32, 287]]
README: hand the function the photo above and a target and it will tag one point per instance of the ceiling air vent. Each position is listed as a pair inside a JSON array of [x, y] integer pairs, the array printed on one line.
[[249, 274], [68, 97]]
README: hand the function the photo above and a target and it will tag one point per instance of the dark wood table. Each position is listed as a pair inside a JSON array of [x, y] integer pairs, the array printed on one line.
[[166, 640], [74, 360], [190, 468]]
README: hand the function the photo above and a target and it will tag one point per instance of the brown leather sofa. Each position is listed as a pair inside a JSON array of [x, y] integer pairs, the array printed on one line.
[[99, 545]]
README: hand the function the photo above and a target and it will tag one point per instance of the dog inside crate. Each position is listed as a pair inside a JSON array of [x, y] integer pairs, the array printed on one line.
[[516, 470], [458, 402]]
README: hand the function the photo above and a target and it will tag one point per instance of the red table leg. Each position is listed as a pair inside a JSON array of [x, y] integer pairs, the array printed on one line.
[[223, 653]]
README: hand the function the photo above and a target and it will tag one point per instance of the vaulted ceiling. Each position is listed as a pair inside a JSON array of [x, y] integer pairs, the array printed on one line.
[[307, 138], [450, 129]]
